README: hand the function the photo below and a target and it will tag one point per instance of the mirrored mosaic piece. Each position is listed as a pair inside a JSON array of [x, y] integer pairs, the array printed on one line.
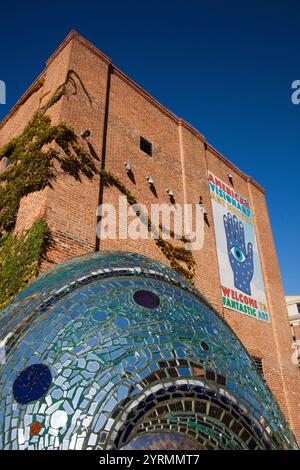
[[117, 351]]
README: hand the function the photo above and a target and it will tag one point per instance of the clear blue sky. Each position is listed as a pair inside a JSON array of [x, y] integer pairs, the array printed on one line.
[[224, 66]]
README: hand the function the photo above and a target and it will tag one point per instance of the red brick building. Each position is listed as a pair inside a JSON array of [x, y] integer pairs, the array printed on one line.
[[117, 112]]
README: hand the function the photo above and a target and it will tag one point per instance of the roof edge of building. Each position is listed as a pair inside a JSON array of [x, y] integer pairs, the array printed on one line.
[[75, 35], [15, 107]]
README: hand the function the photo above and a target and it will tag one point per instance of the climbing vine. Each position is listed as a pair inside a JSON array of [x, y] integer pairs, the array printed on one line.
[[33, 165], [33, 89], [32, 162], [34, 159], [20, 259]]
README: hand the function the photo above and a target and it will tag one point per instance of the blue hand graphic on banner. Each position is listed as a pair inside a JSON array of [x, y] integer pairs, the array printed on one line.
[[241, 261]]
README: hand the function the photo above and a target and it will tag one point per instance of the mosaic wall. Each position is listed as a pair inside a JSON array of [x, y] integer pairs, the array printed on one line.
[[114, 350]]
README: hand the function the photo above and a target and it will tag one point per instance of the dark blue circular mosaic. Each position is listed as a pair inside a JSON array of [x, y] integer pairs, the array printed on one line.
[[32, 383], [146, 298]]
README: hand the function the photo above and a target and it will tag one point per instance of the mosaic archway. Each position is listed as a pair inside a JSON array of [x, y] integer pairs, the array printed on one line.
[[114, 350]]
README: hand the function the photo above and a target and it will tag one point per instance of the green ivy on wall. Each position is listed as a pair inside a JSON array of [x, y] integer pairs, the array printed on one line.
[[33, 164], [20, 258], [33, 89], [34, 159]]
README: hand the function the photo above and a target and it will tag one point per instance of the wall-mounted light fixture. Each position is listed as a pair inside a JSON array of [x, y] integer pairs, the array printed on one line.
[[170, 192], [127, 166], [230, 177], [202, 208], [150, 180], [85, 134]]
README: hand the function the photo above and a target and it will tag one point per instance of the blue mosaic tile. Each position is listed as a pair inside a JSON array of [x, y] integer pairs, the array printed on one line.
[[115, 350]]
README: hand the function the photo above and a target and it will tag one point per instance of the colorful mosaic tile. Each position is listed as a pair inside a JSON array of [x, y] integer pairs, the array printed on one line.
[[114, 350]]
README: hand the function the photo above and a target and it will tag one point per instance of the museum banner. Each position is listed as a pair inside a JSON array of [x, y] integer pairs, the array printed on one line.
[[240, 270]]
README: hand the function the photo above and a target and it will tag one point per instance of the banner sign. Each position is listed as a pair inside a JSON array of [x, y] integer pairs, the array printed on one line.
[[239, 264]]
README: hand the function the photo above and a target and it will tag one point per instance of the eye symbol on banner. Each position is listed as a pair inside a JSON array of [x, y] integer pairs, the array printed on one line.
[[238, 254], [241, 259]]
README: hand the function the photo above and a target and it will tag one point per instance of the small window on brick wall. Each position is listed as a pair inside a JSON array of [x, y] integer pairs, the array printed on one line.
[[298, 307], [146, 146], [259, 365]]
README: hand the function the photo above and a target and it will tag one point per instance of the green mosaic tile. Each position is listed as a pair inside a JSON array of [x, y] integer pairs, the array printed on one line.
[[114, 350]]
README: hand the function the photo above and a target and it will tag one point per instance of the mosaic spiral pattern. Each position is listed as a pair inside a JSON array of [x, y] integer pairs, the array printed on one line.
[[114, 350]]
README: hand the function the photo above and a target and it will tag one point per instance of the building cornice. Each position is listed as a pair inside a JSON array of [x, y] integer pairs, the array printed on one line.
[[74, 35], [16, 106]]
